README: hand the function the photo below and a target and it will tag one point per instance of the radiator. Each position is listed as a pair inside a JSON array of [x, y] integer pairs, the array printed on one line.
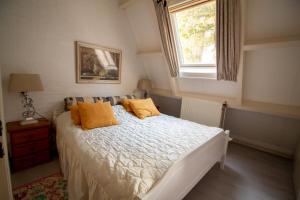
[[202, 111]]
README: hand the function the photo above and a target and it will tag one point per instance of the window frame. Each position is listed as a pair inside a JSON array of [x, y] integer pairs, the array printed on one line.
[[177, 8]]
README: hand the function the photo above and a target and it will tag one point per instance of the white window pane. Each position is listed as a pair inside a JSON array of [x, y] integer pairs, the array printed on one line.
[[111, 62], [109, 58], [101, 57], [195, 29]]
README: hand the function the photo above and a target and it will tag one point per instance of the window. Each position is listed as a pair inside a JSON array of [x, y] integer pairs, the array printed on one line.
[[194, 26]]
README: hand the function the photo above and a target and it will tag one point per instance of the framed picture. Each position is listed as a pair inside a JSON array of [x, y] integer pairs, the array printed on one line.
[[97, 64]]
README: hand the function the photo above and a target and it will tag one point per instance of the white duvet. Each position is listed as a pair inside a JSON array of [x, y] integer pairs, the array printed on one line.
[[125, 161]]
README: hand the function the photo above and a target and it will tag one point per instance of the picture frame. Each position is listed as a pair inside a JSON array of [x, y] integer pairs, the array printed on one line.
[[97, 64]]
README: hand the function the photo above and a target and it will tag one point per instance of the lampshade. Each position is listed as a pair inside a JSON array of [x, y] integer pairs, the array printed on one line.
[[25, 83], [144, 84]]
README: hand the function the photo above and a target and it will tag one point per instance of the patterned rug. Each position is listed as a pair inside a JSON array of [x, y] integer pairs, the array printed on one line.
[[52, 187]]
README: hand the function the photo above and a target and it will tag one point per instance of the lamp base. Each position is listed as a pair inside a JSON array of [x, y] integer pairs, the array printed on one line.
[[145, 95], [29, 120]]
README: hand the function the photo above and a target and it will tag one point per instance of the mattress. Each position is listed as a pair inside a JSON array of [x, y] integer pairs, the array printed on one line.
[[125, 161]]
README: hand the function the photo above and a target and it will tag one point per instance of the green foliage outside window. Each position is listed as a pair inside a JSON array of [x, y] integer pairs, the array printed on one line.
[[196, 29]]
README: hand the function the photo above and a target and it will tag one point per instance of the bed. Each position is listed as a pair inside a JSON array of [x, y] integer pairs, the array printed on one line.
[[160, 157]]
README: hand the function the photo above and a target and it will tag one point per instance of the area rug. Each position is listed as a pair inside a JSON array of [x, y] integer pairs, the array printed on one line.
[[52, 187]]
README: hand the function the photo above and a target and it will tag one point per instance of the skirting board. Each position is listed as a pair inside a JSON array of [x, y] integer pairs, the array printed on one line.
[[263, 147]]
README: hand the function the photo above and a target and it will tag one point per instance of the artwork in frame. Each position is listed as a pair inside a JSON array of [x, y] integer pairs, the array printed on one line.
[[97, 64]]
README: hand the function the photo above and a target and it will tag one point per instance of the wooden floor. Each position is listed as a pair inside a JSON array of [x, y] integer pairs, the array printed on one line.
[[248, 175]]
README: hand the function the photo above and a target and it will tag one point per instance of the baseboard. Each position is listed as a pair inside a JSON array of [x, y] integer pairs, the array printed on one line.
[[263, 147]]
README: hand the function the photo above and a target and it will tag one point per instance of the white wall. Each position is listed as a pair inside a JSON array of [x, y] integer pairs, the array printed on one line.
[[272, 18], [156, 69], [209, 86], [272, 75], [38, 37]]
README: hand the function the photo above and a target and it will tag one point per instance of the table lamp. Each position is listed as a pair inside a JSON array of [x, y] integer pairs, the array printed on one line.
[[146, 85], [24, 83]]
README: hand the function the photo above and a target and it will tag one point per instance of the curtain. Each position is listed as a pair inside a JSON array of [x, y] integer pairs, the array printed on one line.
[[228, 39], [167, 37]]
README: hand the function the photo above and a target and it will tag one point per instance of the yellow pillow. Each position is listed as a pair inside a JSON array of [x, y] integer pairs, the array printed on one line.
[[75, 114], [144, 108], [95, 115], [126, 104]]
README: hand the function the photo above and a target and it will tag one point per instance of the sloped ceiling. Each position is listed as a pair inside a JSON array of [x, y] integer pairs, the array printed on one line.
[[141, 15], [142, 18]]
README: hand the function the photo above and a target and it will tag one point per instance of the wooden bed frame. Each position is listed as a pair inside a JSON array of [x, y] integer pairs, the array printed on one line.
[[183, 176], [180, 179]]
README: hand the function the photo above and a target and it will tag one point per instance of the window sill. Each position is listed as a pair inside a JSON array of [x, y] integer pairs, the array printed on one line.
[[197, 76], [198, 72]]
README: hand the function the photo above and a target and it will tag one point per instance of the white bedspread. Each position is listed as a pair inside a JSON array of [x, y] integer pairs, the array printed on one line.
[[125, 161]]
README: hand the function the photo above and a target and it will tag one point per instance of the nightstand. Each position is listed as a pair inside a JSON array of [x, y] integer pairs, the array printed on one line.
[[29, 144]]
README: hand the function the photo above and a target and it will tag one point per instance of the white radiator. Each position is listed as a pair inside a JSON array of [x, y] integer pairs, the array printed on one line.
[[201, 111]]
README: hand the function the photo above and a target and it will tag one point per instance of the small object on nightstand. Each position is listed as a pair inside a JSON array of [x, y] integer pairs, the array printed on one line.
[[30, 144]]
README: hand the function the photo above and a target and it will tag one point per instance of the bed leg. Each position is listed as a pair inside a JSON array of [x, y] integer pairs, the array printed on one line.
[[223, 159]]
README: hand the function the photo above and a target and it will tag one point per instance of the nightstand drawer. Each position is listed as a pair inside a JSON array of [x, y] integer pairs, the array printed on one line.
[[30, 161], [29, 135], [31, 148]]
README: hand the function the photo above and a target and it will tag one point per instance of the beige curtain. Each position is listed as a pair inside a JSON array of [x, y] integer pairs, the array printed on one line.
[[167, 37], [228, 39]]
